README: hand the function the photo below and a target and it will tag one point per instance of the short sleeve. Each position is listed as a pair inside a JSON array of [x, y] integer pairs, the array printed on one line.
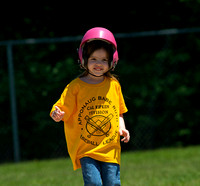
[[67, 102]]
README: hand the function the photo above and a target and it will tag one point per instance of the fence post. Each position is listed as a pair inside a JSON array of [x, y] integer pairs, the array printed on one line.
[[16, 147]]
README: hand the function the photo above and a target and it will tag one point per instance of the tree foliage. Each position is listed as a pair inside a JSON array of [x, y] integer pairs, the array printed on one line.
[[159, 77]]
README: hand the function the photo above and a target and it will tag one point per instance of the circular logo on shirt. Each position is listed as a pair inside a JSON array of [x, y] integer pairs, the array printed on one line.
[[98, 125]]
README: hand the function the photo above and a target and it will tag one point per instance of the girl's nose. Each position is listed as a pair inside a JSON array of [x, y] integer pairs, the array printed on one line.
[[99, 62]]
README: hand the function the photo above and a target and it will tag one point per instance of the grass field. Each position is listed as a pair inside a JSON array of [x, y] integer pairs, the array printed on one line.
[[164, 167]]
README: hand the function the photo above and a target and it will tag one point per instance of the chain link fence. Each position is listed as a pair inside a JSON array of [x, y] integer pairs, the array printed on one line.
[[43, 67]]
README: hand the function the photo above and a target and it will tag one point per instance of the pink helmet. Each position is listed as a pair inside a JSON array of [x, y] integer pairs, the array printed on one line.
[[99, 33]]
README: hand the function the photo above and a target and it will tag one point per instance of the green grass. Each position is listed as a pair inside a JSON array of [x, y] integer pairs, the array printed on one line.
[[164, 167]]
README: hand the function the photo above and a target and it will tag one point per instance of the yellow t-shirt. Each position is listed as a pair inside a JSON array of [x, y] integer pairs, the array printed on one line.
[[91, 120]]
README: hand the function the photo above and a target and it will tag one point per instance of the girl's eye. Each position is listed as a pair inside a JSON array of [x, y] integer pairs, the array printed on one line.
[[93, 59], [105, 60]]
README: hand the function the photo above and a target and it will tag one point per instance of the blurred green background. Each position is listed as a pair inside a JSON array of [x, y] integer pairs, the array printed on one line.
[[159, 74]]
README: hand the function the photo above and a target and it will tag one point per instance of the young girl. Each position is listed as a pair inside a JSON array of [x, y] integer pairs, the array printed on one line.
[[92, 108]]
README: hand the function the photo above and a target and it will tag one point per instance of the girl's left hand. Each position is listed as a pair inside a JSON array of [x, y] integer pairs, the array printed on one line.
[[125, 133]]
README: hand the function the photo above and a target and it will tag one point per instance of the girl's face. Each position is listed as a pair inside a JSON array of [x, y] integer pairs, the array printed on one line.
[[98, 62]]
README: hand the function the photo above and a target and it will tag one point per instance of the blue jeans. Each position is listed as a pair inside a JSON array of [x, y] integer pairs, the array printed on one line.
[[97, 173]]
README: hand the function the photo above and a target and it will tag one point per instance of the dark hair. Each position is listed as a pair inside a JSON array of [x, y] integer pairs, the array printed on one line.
[[92, 46]]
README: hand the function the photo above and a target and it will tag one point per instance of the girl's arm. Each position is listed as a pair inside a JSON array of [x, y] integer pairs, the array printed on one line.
[[122, 130]]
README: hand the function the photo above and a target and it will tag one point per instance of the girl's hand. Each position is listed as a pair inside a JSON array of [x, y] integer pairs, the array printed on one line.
[[125, 133], [57, 114]]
